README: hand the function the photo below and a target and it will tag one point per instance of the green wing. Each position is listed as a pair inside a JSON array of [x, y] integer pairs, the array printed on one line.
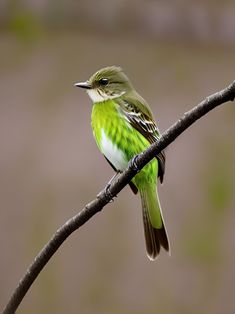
[[139, 115]]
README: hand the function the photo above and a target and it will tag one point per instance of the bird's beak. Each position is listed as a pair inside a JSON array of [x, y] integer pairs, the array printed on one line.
[[85, 85]]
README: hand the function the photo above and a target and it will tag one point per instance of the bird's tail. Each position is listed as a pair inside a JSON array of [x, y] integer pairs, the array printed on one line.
[[154, 228]]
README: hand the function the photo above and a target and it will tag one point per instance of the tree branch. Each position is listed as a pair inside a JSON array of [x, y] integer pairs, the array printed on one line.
[[106, 195]]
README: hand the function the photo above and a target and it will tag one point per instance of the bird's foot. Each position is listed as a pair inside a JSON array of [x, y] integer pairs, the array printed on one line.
[[132, 163], [107, 188]]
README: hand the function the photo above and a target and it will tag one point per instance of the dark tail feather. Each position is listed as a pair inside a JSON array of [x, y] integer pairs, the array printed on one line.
[[154, 238]]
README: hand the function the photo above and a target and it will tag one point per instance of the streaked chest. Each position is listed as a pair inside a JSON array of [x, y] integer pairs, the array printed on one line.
[[108, 128]]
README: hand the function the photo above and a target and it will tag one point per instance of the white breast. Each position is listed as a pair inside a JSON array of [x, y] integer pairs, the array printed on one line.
[[113, 153]]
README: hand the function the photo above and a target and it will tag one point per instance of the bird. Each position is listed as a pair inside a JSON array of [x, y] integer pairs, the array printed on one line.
[[123, 126]]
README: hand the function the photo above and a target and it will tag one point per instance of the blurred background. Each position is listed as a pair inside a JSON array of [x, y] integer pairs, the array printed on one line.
[[176, 53]]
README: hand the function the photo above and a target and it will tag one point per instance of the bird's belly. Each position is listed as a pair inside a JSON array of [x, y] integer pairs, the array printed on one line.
[[112, 152], [118, 141]]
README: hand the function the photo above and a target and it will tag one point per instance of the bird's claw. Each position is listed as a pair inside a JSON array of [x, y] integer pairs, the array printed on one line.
[[108, 193], [133, 164]]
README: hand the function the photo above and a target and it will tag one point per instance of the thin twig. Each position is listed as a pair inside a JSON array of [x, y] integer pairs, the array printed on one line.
[[106, 195]]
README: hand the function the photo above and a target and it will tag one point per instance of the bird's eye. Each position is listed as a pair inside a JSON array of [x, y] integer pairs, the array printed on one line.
[[103, 81]]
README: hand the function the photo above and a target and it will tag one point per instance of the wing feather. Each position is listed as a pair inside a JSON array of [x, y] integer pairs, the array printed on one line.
[[142, 121]]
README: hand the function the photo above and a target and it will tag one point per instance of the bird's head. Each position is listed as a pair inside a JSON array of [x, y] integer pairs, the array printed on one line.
[[107, 83]]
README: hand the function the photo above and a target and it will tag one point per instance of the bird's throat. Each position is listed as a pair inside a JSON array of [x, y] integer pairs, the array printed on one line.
[[97, 95]]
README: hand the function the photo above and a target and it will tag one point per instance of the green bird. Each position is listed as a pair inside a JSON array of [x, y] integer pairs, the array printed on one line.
[[123, 126]]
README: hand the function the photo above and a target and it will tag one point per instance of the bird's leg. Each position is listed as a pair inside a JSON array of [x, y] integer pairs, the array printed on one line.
[[118, 172], [107, 188]]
